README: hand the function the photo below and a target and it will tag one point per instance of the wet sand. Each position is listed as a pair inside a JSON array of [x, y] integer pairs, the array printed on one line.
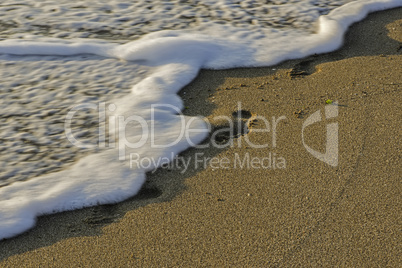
[[262, 207]]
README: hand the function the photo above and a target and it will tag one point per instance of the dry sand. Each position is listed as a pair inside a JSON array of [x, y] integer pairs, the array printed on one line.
[[307, 214]]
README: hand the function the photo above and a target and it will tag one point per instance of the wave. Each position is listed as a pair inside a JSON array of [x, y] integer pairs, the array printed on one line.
[[152, 107]]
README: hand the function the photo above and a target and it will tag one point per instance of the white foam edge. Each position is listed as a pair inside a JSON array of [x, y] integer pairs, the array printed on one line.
[[101, 178]]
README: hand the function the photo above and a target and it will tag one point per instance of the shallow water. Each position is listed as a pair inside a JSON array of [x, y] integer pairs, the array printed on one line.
[[123, 20], [108, 76]]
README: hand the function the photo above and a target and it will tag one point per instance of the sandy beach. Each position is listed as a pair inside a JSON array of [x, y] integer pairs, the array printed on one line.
[[287, 208]]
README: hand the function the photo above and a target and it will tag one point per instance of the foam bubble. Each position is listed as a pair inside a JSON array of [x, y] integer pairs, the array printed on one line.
[[150, 106]]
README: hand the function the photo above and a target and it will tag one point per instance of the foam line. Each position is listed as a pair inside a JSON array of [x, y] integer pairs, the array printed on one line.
[[102, 178]]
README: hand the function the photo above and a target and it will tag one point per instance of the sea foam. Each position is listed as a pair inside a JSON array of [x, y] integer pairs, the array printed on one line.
[[176, 58]]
